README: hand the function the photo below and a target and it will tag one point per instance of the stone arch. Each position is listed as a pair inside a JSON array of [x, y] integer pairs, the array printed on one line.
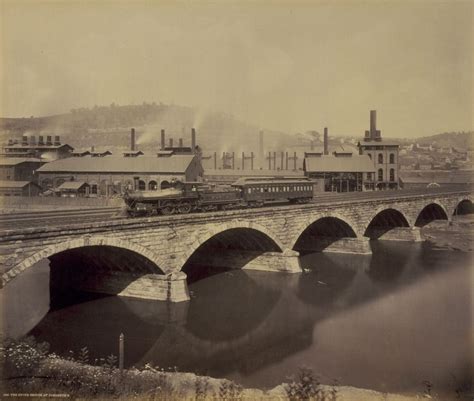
[[220, 228], [301, 228], [464, 206], [431, 211], [385, 218], [85, 241]]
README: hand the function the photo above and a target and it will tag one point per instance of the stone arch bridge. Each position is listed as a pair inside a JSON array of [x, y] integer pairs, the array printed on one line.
[[153, 257]]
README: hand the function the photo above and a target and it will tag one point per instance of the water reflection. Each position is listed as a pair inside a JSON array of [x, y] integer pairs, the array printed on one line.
[[386, 321]]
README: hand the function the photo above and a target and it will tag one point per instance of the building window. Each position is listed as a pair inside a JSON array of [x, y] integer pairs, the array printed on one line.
[[392, 158], [392, 174], [141, 185], [152, 186], [380, 158], [94, 189], [165, 185], [380, 174]]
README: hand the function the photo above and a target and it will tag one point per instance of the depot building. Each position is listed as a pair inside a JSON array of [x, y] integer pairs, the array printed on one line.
[[111, 175]]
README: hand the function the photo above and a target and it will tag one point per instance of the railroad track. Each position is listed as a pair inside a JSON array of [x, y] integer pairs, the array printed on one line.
[[32, 219]]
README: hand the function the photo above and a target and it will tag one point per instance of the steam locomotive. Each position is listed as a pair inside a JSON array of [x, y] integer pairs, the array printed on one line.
[[186, 197]]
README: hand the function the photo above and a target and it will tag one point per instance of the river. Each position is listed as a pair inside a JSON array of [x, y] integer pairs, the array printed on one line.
[[388, 321]]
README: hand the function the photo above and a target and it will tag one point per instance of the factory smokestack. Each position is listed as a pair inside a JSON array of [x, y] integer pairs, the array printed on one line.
[[193, 139], [162, 139], [180, 142], [132, 140], [373, 123], [326, 140], [260, 149]]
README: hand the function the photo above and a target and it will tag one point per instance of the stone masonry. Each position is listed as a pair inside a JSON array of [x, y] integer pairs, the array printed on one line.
[[168, 242]]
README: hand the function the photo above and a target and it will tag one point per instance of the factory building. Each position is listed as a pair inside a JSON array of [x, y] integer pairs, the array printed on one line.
[[342, 170], [112, 175], [384, 156], [19, 188], [47, 150], [19, 168]]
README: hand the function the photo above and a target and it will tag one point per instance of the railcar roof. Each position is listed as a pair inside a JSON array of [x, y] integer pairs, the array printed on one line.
[[270, 182]]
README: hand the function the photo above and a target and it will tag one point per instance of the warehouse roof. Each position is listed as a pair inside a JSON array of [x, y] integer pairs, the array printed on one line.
[[14, 184], [333, 164], [378, 143], [251, 173], [75, 185], [113, 164], [13, 161], [36, 146]]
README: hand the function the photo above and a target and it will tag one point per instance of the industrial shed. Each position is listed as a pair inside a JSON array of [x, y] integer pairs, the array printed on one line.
[[73, 189], [19, 188], [341, 173], [112, 175]]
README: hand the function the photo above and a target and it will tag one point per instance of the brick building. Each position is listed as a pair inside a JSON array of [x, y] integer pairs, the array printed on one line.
[[384, 155]]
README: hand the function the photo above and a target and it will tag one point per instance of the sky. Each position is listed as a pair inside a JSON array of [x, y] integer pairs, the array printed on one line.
[[284, 65]]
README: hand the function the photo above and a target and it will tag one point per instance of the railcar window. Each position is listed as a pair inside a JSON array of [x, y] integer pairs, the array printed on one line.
[[261, 189]]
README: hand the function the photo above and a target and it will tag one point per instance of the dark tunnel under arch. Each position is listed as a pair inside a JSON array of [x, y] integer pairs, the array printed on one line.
[[231, 248], [384, 221], [429, 213], [322, 233]]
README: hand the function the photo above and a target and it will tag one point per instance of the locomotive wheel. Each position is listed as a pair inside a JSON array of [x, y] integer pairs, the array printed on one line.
[[167, 208], [184, 207]]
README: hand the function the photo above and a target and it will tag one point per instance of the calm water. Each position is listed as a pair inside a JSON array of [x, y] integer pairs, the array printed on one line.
[[387, 321]]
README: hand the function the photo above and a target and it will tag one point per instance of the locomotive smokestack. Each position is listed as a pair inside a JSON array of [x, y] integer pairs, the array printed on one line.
[[326, 140], [162, 139], [193, 139], [373, 123], [132, 139]]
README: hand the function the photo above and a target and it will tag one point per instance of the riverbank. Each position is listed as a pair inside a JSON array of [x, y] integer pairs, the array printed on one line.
[[30, 372]]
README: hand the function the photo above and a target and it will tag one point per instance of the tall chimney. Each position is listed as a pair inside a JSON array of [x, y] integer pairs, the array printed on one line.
[[373, 123], [180, 142], [215, 160], [193, 139], [281, 162], [49, 140], [162, 139], [326, 140], [132, 140], [260, 148], [243, 160]]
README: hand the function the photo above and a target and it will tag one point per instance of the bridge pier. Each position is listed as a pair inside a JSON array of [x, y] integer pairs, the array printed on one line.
[[412, 234], [358, 246], [286, 261], [159, 287]]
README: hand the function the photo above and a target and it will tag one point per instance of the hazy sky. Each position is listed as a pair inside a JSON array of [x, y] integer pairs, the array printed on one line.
[[292, 66]]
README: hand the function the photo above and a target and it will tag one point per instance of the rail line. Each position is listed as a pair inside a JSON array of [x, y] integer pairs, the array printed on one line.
[[67, 217]]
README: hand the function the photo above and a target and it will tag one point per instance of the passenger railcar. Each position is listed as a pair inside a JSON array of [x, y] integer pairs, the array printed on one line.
[[196, 196]]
